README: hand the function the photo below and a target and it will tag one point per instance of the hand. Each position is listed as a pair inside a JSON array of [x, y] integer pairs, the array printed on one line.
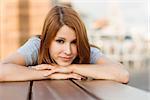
[[65, 70], [53, 69], [65, 76], [43, 67]]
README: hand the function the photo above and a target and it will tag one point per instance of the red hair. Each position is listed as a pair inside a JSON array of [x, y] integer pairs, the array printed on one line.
[[56, 18]]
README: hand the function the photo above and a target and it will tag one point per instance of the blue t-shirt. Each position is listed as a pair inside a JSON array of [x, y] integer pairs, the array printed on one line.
[[31, 48]]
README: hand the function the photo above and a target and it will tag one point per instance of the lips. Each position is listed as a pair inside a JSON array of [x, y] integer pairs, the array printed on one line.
[[66, 58]]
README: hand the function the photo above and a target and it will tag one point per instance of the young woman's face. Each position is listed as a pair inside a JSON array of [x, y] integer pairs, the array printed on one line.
[[63, 48]]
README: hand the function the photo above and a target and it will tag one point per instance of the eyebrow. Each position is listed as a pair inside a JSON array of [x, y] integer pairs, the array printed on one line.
[[61, 38], [65, 39]]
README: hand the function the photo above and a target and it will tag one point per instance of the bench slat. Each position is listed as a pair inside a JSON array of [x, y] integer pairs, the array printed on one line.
[[14, 90], [58, 90], [110, 90]]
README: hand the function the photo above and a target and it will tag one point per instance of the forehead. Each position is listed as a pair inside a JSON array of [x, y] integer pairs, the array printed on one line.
[[66, 32]]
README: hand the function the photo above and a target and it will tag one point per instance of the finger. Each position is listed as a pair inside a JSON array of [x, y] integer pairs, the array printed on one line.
[[65, 76], [79, 76], [75, 76], [59, 76], [59, 70], [51, 72], [43, 67]]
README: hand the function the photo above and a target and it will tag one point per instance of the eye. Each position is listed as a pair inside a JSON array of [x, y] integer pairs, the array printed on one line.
[[74, 42], [60, 41]]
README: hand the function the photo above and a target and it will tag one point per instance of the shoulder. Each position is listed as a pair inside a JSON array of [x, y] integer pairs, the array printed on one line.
[[94, 49], [30, 50], [95, 54], [34, 39], [32, 42]]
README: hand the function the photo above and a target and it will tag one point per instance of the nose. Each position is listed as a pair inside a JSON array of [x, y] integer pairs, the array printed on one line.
[[67, 49]]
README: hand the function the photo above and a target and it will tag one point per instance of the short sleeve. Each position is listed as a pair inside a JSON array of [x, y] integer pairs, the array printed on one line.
[[30, 51], [95, 54]]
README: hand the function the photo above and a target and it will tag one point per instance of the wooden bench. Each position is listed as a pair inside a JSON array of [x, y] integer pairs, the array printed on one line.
[[70, 90]]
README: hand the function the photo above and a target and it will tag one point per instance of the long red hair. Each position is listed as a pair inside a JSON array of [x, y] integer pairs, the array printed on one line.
[[56, 18]]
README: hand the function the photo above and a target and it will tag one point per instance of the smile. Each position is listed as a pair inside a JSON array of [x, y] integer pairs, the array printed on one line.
[[66, 58]]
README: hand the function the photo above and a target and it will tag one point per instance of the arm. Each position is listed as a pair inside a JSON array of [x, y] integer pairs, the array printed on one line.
[[103, 69], [13, 69], [13, 72]]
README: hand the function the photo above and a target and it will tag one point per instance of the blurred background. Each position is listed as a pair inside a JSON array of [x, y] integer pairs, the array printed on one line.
[[119, 27]]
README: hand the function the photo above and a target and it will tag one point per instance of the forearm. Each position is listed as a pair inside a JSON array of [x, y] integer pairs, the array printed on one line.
[[13, 72], [103, 71]]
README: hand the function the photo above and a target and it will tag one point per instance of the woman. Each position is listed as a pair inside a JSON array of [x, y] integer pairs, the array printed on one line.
[[61, 52]]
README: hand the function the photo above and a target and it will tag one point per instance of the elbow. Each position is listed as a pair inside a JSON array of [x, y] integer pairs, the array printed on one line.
[[124, 77], [1, 73], [1, 78], [120, 75]]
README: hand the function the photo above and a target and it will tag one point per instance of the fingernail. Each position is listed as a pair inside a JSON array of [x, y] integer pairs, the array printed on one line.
[[45, 75], [48, 68], [30, 66], [83, 78], [79, 78]]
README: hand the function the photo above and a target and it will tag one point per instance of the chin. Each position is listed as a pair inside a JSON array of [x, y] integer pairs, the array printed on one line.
[[64, 64]]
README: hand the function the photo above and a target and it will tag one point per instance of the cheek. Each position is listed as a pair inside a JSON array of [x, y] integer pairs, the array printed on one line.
[[54, 49], [74, 50]]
